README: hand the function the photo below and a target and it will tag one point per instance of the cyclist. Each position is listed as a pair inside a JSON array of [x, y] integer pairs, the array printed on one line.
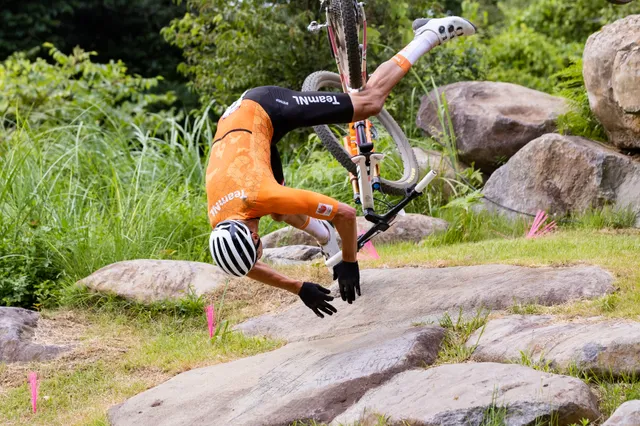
[[245, 179]]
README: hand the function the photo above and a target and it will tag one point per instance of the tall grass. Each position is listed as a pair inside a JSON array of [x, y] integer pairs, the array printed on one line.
[[78, 196]]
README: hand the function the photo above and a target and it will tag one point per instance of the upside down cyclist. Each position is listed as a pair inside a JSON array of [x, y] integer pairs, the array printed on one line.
[[245, 180]]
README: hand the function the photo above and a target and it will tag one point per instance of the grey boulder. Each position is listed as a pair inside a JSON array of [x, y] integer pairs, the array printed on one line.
[[491, 120], [602, 347], [611, 69], [410, 227], [291, 255], [628, 414], [401, 297], [17, 330], [149, 281], [563, 174], [461, 394], [309, 380]]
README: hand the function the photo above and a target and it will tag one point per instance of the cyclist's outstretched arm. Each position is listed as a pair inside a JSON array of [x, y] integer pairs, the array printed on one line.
[[266, 275]]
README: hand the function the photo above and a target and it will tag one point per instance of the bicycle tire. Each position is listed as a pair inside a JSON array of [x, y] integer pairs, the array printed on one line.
[[343, 14], [326, 79]]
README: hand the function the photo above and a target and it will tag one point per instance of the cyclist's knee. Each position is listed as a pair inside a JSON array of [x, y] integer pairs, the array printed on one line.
[[345, 212]]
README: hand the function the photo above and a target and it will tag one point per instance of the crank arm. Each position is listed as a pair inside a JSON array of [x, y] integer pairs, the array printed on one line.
[[382, 223]]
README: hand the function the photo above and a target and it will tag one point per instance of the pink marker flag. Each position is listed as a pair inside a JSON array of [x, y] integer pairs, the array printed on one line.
[[538, 228], [33, 383], [368, 252], [211, 319]]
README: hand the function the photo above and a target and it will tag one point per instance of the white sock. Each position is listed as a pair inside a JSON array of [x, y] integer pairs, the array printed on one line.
[[316, 229], [414, 50]]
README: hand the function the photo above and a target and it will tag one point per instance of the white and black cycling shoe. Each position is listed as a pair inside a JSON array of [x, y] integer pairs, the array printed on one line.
[[445, 28], [331, 248]]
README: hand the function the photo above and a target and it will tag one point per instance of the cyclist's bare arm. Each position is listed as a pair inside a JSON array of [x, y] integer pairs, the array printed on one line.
[[265, 274]]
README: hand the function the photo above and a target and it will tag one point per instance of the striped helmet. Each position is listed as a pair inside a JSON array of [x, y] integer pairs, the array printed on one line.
[[233, 248]]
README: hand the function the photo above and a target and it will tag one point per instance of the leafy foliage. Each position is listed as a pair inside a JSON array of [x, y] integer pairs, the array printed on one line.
[[87, 179], [118, 29], [579, 120], [40, 92]]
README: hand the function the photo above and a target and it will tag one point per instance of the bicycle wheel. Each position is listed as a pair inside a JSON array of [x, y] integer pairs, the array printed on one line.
[[403, 158], [344, 20]]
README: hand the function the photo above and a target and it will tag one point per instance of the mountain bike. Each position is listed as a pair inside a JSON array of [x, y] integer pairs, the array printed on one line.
[[346, 26]]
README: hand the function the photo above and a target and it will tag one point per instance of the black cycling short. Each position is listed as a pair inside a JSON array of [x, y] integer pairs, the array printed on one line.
[[289, 110]]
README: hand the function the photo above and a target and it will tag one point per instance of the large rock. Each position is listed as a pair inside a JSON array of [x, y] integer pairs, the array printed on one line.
[[492, 121], [628, 414], [434, 160], [149, 281], [562, 174], [608, 347], [461, 394], [315, 380], [17, 329], [611, 68], [400, 297], [291, 255], [411, 227]]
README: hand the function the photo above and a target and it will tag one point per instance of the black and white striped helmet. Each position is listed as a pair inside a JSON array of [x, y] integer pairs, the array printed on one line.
[[233, 248]]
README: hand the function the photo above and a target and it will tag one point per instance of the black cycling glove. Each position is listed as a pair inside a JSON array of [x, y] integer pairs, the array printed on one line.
[[316, 297], [348, 275]]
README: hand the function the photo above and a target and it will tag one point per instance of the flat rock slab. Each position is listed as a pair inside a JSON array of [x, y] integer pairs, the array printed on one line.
[[460, 394], [628, 414], [410, 227], [17, 329], [147, 281], [608, 347], [400, 297], [291, 255], [310, 380]]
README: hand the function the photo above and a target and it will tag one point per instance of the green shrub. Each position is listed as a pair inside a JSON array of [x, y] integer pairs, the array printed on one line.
[[74, 87], [90, 177]]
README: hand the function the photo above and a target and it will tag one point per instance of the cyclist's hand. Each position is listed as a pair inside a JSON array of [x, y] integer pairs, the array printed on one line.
[[348, 275], [316, 297]]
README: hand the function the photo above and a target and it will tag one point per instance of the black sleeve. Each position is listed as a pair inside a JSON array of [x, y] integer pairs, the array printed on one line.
[[291, 110]]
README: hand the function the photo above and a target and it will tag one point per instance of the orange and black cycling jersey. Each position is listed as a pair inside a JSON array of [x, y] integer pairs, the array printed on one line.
[[240, 175]]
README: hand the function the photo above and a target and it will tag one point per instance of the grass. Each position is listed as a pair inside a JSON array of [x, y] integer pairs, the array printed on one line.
[[119, 356], [454, 348], [125, 348]]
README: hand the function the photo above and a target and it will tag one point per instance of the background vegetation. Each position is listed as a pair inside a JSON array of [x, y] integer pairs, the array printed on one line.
[[99, 164]]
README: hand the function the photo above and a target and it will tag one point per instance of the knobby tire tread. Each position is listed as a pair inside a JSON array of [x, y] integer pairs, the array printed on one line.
[[344, 13]]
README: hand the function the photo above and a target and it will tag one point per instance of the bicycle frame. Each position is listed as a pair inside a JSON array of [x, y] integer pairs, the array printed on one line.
[[360, 145]]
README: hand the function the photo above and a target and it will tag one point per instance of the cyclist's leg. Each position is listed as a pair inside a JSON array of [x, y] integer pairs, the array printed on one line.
[[308, 224], [429, 34], [283, 201]]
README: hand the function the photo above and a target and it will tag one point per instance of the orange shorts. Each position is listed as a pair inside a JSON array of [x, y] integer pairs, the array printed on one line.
[[240, 182]]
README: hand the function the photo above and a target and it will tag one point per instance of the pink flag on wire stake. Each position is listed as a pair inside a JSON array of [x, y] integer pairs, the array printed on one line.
[[33, 384], [368, 252], [538, 228], [211, 319]]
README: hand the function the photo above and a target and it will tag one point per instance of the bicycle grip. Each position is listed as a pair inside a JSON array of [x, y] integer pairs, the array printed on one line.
[[425, 181], [337, 258]]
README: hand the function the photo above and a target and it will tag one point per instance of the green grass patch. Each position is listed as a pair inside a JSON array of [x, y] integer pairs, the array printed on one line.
[[457, 333], [122, 355]]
